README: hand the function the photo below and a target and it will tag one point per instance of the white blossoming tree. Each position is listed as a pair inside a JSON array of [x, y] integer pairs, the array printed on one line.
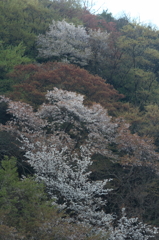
[[131, 229], [62, 161], [66, 42], [66, 177]]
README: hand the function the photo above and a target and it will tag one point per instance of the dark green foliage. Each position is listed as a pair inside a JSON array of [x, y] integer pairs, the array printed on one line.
[[20, 200], [133, 70], [4, 116], [27, 213], [22, 21], [122, 21], [5, 86], [107, 16], [10, 146], [134, 187], [71, 10], [9, 57]]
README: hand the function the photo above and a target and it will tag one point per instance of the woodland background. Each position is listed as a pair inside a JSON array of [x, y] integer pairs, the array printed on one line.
[[120, 71]]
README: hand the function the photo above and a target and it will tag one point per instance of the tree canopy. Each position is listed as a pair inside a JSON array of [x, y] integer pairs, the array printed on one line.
[[79, 131]]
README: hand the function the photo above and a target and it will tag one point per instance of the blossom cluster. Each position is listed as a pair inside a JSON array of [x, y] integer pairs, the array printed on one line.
[[72, 44], [59, 140]]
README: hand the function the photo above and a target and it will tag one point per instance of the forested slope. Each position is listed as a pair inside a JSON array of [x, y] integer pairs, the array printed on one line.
[[79, 131]]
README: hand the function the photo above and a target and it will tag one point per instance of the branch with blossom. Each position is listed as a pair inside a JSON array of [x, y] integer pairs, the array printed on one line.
[[62, 160]]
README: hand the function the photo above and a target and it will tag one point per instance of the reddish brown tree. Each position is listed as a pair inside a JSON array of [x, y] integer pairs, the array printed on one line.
[[33, 81], [95, 22]]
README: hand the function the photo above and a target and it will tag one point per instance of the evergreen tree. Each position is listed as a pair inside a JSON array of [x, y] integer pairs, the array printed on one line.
[[26, 213]]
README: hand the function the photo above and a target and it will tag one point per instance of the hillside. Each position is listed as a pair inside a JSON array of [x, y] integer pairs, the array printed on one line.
[[78, 123]]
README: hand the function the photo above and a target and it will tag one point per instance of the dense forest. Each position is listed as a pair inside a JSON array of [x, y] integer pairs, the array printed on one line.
[[79, 130]]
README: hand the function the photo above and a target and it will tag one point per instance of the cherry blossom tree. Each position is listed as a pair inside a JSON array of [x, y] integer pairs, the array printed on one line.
[[131, 228], [66, 42], [66, 176], [59, 140]]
